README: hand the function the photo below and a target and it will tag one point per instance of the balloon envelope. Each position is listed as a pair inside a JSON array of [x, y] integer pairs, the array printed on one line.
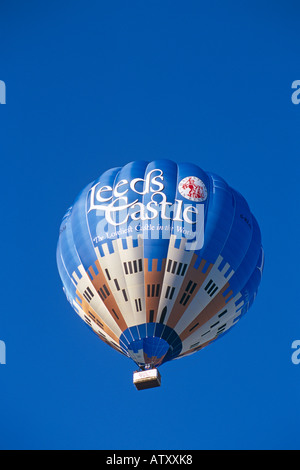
[[160, 259]]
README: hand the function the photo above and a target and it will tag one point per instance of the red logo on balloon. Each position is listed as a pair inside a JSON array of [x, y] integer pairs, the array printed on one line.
[[193, 188]]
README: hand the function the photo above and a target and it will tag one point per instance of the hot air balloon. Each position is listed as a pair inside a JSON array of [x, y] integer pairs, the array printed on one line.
[[160, 260]]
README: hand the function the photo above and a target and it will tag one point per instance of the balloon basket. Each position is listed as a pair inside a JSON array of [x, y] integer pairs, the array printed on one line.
[[144, 379]]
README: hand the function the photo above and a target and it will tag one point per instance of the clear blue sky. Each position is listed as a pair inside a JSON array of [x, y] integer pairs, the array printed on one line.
[[92, 85]]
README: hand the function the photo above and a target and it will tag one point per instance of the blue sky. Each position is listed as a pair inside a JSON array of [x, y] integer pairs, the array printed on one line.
[[92, 85]]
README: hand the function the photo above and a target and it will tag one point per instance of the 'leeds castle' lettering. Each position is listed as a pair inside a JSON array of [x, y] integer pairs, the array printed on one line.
[[119, 208]]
